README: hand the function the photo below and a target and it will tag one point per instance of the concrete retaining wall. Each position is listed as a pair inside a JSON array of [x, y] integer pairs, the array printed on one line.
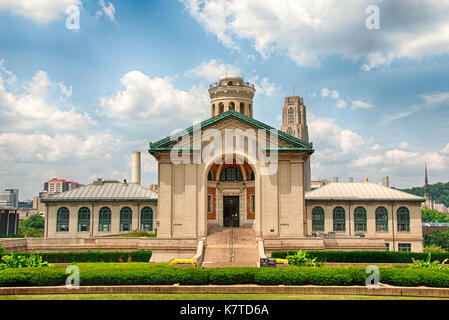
[[244, 289]]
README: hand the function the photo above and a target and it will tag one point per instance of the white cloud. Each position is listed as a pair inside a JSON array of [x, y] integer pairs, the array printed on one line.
[[264, 86], [33, 109], [309, 30], [108, 9], [156, 101], [342, 152], [325, 92], [212, 71], [359, 104], [445, 149], [55, 148], [335, 94], [42, 11], [341, 104]]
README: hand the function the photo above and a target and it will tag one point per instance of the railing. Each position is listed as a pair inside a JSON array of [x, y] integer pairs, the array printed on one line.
[[231, 241]]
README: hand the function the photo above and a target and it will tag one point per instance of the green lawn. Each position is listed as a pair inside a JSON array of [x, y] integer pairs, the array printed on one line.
[[207, 297]]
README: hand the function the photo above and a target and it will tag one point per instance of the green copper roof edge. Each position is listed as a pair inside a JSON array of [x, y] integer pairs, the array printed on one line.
[[98, 200], [208, 122]]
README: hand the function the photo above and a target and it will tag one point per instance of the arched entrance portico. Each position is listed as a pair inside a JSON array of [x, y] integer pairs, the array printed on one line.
[[233, 192]]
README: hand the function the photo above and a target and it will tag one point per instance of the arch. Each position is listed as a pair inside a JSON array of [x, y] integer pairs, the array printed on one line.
[[220, 108], [146, 219], [62, 220], [317, 219], [251, 176], [360, 219], [251, 161], [83, 219], [291, 116], [242, 108], [339, 216], [403, 217], [250, 110], [213, 110], [126, 217], [231, 106], [104, 219], [210, 176], [381, 219], [231, 174]]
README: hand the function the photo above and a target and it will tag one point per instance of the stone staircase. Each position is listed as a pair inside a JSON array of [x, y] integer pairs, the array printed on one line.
[[244, 250]]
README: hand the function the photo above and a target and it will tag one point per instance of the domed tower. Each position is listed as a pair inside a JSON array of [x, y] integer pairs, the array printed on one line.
[[231, 93]]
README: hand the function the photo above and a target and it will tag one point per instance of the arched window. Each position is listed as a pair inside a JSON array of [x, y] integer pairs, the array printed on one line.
[[104, 220], [231, 174], [232, 106], [213, 110], [220, 107], [339, 219], [62, 220], [360, 219], [230, 83], [242, 108], [291, 116], [317, 219], [382, 219], [83, 219], [403, 219], [126, 218], [251, 176], [146, 219]]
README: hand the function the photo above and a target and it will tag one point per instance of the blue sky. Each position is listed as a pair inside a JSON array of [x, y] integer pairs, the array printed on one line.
[[74, 104]]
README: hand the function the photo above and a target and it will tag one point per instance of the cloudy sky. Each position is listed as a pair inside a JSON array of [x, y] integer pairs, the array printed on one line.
[[75, 102]]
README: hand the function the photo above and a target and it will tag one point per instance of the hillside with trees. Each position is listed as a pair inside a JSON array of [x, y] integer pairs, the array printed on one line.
[[438, 192]]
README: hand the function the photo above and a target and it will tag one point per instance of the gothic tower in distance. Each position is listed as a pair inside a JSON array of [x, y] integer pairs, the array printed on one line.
[[294, 123]]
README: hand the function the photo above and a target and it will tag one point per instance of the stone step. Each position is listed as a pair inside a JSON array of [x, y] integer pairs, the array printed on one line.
[[217, 253]]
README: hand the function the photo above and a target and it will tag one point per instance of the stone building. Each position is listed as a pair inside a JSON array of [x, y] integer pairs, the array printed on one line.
[[234, 171]]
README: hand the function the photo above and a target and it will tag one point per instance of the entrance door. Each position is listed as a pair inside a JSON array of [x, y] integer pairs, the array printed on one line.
[[231, 212]]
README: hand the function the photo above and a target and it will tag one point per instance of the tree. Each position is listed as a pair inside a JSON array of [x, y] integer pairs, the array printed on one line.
[[432, 215], [32, 227], [437, 238]]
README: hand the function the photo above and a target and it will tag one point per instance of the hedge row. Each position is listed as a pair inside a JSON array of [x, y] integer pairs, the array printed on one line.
[[167, 275], [92, 256], [364, 256]]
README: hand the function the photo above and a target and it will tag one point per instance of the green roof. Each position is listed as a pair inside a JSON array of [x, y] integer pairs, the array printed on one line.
[[299, 145]]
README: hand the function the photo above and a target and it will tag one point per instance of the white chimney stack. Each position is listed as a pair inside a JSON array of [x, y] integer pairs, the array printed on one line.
[[386, 181], [136, 168]]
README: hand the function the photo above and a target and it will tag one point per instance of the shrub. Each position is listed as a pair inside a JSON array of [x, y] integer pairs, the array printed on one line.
[[300, 259], [363, 256], [94, 256], [19, 261], [420, 264], [153, 274], [434, 249]]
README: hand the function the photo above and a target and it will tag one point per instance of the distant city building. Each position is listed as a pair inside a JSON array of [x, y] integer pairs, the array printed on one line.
[[59, 185], [9, 198], [431, 204]]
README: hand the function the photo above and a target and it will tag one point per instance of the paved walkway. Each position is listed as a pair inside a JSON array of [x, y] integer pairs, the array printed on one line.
[[219, 253]]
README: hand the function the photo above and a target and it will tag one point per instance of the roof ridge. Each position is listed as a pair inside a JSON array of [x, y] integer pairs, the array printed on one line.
[[239, 116]]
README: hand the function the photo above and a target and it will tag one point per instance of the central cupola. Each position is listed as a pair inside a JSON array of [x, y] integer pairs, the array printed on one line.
[[231, 93]]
